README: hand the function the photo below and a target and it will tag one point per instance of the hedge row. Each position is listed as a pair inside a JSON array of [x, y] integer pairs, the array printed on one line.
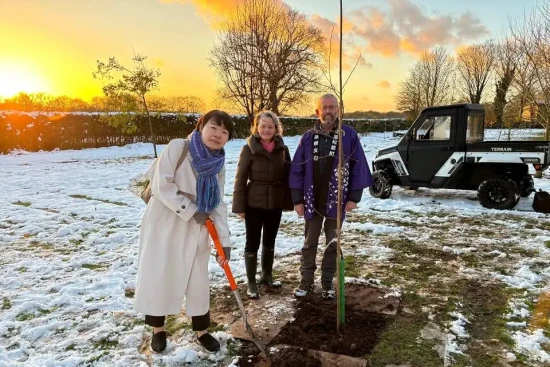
[[34, 132]]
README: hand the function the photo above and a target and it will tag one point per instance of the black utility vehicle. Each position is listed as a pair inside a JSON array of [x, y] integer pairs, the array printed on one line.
[[444, 148]]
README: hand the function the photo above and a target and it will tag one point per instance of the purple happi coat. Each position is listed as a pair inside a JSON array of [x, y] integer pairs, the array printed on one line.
[[355, 176]]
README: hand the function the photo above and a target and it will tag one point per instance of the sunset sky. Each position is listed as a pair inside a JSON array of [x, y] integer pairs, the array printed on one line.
[[52, 45]]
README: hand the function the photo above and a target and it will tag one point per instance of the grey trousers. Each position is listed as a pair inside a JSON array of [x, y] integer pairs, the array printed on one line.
[[309, 251]]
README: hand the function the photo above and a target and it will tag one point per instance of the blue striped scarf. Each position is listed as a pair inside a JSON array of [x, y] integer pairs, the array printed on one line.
[[207, 164]]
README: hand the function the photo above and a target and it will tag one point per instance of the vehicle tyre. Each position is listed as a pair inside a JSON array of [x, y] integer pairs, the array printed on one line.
[[381, 186], [527, 186], [498, 193]]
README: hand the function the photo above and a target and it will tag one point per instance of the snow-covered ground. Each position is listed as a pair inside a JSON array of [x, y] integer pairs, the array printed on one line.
[[69, 223]]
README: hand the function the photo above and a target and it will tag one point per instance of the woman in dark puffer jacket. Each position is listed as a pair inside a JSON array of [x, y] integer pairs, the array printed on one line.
[[261, 193]]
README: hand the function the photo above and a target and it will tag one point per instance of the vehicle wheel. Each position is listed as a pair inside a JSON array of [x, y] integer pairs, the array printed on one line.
[[527, 186], [381, 186], [498, 193]]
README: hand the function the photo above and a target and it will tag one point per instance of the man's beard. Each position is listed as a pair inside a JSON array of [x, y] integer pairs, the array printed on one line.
[[331, 119]]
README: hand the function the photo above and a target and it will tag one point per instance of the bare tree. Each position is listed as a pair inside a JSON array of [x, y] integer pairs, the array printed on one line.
[[409, 96], [475, 66], [192, 104], [267, 56], [506, 64], [61, 103], [430, 83], [533, 38], [138, 80]]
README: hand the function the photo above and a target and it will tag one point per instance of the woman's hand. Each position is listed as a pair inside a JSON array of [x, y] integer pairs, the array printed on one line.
[[241, 215], [222, 262], [226, 255]]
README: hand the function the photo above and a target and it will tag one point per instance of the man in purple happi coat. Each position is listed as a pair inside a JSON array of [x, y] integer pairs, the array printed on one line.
[[314, 184]]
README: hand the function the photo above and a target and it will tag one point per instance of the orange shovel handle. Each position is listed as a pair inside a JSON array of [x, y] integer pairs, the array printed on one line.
[[219, 249]]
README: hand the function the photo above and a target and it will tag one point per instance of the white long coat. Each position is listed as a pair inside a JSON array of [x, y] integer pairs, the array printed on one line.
[[173, 249]]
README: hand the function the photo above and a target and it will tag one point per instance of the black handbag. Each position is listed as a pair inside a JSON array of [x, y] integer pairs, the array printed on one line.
[[541, 202]]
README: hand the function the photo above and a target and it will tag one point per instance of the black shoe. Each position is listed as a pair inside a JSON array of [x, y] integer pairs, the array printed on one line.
[[209, 342], [328, 290], [158, 342]]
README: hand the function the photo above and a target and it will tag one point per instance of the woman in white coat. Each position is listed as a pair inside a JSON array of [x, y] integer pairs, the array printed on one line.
[[174, 245]]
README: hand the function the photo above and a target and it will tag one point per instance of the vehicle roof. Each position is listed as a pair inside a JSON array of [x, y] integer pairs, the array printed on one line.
[[467, 106]]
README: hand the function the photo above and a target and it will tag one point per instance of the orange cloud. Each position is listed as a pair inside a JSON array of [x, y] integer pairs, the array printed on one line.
[[208, 7], [405, 27], [384, 84]]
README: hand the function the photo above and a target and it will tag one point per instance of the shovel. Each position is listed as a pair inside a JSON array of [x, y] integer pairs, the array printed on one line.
[[219, 249]]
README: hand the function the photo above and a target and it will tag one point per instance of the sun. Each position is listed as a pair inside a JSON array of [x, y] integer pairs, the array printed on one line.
[[14, 80]]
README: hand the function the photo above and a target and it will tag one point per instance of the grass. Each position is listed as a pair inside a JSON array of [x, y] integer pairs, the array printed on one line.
[[423, 268], [96, 358], [78, 196], [94, 266], [45, 311], [129, 292], [233, 348], [24, 317], [352, 268], [214, 326], [22, 203], [174, 324], [142, 184], [399, 344], [6, 303], [484, 304], [487, 304], [105, 344], [41, 245]]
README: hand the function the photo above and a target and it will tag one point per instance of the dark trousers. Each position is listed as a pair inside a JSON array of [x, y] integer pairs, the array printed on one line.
[[257, 219], [309, 251], [199, 322]]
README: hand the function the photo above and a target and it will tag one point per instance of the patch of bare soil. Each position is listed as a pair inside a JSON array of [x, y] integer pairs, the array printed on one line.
[[314, 326], [368, 312]]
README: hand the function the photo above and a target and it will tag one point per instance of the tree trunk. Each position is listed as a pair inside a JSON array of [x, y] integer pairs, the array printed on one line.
[[153, 138]]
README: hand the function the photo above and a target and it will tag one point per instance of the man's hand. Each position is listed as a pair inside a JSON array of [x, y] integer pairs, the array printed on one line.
[[299, 209], [201, 218], [350, 205], [241, 215]]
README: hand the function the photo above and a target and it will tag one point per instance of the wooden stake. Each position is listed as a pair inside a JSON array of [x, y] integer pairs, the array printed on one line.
[[340, 166]]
